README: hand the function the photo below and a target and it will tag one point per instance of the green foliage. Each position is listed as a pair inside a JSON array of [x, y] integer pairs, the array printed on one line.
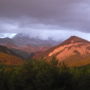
[[41, 75]]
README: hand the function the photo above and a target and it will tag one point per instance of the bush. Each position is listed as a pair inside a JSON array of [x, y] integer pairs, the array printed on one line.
[[40, 75]]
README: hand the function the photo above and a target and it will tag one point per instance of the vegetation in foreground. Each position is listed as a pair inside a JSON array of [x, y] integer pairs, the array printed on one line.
[[39, 75]]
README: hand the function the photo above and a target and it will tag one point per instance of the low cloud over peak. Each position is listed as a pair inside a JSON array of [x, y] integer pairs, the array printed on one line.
[[18, 16]]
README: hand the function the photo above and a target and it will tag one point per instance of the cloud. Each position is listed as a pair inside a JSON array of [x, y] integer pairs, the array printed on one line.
[[25, 15]]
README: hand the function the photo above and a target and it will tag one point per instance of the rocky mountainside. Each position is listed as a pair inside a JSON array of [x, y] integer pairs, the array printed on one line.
[[74, 49]]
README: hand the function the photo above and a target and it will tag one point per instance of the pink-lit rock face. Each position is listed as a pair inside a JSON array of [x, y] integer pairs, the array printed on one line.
[[72, 46]]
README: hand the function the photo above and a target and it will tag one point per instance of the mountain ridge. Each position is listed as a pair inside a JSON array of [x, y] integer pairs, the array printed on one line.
[[9, 57], [27, 44], [72, 47]]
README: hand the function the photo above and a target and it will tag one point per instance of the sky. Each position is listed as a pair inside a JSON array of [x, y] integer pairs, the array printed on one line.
[[58, 19]]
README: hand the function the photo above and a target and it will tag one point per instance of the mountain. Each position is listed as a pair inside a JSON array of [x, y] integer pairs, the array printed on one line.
[[74, 51], [7, 42], [9, 57], [23, 39], [27, 44]]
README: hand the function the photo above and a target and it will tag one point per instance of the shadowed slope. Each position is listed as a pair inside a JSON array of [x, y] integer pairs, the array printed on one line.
[[8, 57]]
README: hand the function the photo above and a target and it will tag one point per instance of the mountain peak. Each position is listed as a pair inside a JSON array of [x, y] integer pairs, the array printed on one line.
[[74, 39]]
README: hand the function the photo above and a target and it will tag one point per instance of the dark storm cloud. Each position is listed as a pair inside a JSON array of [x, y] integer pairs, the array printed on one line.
[[68, 14]]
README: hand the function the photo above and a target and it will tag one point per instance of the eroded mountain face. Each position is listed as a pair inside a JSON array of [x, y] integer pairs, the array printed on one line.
[[71, 47]]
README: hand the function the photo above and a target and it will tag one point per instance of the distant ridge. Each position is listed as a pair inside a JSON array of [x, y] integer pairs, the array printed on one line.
[[27, 44]]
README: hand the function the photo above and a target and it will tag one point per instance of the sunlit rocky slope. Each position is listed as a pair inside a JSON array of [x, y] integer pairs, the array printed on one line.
[[74, 51]]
